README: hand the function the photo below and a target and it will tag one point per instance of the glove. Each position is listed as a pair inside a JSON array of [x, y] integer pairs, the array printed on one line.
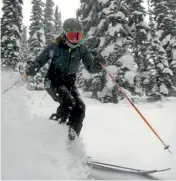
[[97, 61], [32, 68]]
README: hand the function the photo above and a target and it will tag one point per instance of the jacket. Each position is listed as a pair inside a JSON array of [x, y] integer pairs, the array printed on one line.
[[65, 61]]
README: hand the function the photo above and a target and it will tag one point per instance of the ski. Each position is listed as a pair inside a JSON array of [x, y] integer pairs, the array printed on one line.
[[111, 167]]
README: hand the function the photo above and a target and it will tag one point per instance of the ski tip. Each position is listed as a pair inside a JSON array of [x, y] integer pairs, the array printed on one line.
[[163, 170]]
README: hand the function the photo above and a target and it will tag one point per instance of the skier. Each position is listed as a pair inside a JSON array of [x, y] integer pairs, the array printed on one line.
[[66, 54]]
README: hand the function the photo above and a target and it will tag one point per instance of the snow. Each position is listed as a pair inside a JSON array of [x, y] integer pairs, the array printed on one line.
[[16, 28], [137, 12], [4, 38], [173, 42], [106, 11], [101, 23], [18, 42], [106, 90], [88, 17], [166, 40], [29, 150], [113, 29], [86, 74], [144, 24], [119, 14], [103, 1], [91, 31], [164, 89], [160, 65], [10, 45], [113, 71], [42, 35], [102, 41], [128, 61], [130, 77], [119, 41], [174, 53], [34, 147], [109, 9], [173, 63], [161, 49], [167, 71], [143, 31], [34, 36], [16, 53], [109, 49]]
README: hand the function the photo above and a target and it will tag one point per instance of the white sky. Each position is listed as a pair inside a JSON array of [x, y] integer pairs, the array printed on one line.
[[68, 9]]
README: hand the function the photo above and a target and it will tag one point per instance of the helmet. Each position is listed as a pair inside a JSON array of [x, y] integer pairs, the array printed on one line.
[[72, 25], [73, 31]]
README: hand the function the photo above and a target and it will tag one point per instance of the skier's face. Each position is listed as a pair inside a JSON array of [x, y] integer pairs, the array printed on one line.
[[74, 37]]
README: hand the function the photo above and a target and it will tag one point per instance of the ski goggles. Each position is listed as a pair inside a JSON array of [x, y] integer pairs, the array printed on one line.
[[74, 37]]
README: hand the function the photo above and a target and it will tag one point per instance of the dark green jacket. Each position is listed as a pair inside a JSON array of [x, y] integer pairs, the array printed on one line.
[[65, 62], [65, 59]]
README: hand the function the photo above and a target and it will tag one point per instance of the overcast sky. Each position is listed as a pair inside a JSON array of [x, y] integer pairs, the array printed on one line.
[[68, 9]]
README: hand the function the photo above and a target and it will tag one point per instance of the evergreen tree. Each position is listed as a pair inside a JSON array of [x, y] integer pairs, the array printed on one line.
[[106, 28], [36, 40], [139, 30], [57, 22], [49, 20], [36, 29], [165, 18], [151, 17], [156, 77], [154, 74], [148, 54], [24, 46], [11, 30]]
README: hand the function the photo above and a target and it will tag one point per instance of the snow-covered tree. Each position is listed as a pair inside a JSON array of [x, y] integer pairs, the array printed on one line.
[[165, 17], [36, 36], [49, 20], [139, 30], [57, 22], [11, 30], [150, 14], [24, 46], [36, 29], [156, 77], [107, 35]]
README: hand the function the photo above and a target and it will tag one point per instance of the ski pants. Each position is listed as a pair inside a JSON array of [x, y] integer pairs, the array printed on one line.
[[71, 104]]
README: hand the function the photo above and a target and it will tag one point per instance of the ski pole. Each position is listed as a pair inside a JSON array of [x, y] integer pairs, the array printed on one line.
[[6, 90], [137, 110], [15, 83]]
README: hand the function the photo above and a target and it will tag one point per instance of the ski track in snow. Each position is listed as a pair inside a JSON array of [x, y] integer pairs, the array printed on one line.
[[34, 147]]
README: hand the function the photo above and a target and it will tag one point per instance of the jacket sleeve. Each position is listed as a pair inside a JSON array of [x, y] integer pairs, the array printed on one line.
[[41, 60], [88, 60], [45, 55]]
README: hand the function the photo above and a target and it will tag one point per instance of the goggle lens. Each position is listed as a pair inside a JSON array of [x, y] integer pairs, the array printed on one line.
[[74, 37]]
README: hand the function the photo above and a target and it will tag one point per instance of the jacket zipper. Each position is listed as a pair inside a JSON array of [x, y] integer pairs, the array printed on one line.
[[69, 60]]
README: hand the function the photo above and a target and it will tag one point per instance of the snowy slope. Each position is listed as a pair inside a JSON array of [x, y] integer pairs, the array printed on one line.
[[34, 147]]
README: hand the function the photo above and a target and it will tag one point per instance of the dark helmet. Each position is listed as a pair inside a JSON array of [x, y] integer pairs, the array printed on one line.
[[72, 25], [73, 30]]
